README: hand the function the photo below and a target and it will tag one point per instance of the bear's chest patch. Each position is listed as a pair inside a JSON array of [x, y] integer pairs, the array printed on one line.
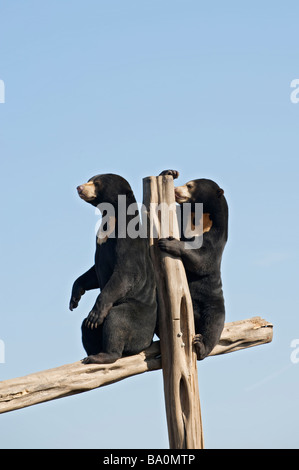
[[107, 228], [204, 225]]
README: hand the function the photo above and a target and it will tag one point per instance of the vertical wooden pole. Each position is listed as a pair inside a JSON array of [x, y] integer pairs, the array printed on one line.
[[176, 322]]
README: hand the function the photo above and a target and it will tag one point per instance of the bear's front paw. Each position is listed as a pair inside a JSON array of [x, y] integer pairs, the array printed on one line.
[[77, 293], [97, 316], [174, 173], [170, 245]]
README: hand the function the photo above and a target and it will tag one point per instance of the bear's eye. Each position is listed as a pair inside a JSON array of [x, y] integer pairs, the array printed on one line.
[[189, 185]]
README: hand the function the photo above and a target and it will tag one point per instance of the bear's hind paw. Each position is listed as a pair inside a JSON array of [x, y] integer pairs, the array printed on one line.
[[199, 347], [101, 358]]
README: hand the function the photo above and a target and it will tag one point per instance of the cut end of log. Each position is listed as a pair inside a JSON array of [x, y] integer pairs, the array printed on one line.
[[244, 334]]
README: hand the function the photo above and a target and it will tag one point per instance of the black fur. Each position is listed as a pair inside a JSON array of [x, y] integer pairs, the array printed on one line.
[[203, 265], [123, 319]]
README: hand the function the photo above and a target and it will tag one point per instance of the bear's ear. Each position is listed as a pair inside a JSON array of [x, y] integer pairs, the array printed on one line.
[[220, 192]]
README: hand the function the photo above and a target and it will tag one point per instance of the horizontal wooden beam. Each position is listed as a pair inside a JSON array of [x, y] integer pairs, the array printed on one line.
[[74, 378]]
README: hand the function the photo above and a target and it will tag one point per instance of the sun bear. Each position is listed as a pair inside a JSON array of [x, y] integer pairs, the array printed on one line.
[[123, 319], [203, 264]]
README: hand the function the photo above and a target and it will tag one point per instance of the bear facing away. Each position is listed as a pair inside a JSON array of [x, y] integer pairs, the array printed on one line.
[[203, 265], [123, 319]]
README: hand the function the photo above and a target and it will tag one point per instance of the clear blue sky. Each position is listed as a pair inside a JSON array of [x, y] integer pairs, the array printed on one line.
[[134, 87]]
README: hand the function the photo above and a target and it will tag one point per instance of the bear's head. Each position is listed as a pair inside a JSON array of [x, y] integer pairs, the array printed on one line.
[[207, 192], [105, 188], [202, 190]]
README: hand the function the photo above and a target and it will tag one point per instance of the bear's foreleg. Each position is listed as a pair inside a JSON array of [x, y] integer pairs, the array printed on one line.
[[87, 281]]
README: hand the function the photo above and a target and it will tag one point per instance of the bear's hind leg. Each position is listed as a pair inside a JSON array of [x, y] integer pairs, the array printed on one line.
[[91, 339], [208, 328], [105, 344]]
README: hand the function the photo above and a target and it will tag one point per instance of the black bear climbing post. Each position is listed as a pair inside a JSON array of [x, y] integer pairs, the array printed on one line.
[[203, 222]]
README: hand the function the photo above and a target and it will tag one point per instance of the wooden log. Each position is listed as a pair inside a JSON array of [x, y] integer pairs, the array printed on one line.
[[76, 378], [243, 334], [73, 378], [176, 320]]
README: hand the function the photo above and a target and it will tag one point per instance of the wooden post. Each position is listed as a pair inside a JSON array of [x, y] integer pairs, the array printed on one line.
[[176, 322]]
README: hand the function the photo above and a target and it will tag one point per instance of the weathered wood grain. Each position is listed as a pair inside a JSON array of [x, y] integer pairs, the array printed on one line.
[[176, 321], [73, 378], [76, 378]]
